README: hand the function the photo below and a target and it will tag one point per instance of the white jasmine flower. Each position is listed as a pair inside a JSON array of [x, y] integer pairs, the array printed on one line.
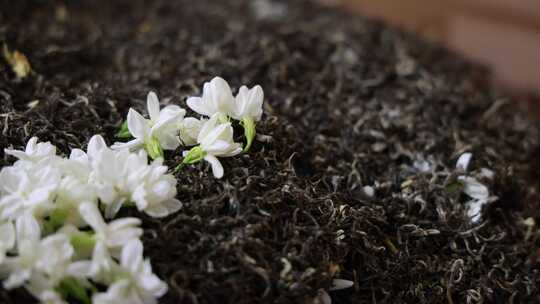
[[70, 194], [55, 252], [99, 268], [115, 175], [7, 239], [248, 103], [215, 140], [189, 130], [24, 190], [122, 177], [463, 162], [42, 288], [114, 234], [50, 256], [76, 185], [137, 283], [34, 151], [248, 110], [156, 191], [216, 98], [157, 133], [478, 193]]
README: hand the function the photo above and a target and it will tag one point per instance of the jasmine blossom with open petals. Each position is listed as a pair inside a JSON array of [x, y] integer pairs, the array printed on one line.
[[31, 260], [248, 110], [27, 191], [34, 151], [122, 177], [189, 130], [215, 140], [155, 193], [216, 98], [136, 282], [157, 133], [115, 234]]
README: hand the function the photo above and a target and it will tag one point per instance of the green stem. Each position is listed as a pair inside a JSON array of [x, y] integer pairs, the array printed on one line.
[[249, 131]]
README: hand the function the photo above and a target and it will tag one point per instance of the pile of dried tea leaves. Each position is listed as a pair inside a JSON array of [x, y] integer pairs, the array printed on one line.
[[351, 176]]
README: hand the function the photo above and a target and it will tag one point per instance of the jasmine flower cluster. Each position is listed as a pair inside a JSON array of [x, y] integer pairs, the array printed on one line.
[[59, 238], [210, 138], [54, 239]]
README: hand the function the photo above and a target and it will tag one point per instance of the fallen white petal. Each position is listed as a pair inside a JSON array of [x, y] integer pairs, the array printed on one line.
[[464, 161]]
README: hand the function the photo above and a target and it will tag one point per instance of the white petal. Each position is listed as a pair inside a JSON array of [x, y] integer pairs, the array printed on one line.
[[338, 284], [112, 209], [152, 103], [169, 114], [168, 140], [27, 228], [208, 127], [196, 104], [173, 205], [16, 153], [152, 284], [222, 95], [7, 235], [463, 161], [95, 145], [120, 237], [17, 278], [131, 145], [137, 125], [164, 209], [131, 257], [31, 145], [248, 103], [474, 188], [189, 130], [39, 196], [78, 155], [217, 147], [80, 269], [123, 223], [217, 168], [213, 135], [91, 215], [11, 179], [475, 209]]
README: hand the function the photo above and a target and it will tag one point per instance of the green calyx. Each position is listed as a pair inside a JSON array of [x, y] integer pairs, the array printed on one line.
[[58, 217], [194, 155], [83, 243], [123, 132], [56, 220], [71, 288], [249, 131], [153, 148]]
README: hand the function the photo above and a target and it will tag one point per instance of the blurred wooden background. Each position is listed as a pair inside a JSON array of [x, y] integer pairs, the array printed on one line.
[[504, 34]]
